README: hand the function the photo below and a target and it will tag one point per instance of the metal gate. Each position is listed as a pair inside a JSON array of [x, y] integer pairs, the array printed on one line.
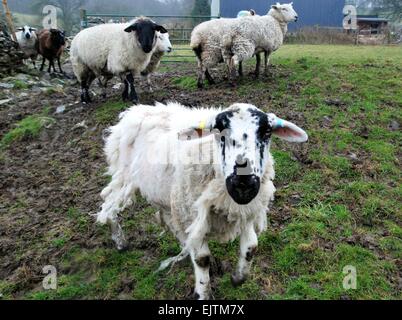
[[179, 27]]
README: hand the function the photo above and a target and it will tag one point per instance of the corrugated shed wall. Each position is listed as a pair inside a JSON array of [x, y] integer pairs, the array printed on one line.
[[326, 13]]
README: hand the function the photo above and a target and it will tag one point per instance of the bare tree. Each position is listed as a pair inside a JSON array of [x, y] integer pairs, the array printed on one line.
[[392, 9], [69, 8]]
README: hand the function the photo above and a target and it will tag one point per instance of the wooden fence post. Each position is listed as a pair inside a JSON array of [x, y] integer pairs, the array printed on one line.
[[9, 19], [84, 19]]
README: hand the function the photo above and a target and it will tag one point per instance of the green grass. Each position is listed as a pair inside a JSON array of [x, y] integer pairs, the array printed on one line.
[[19, 85], [109, 111], [181, 53], [28, 128], [186, 83]]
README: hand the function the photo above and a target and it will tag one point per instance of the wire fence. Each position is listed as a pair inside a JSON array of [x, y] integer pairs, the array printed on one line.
[[179, 27]]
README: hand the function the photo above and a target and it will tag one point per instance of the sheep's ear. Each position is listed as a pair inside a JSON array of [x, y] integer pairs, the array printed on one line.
[[204, 129], [131, 28], [20, 29], [161, 29], [287, 131]]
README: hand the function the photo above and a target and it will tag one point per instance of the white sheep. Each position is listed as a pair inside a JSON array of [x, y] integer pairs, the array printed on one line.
[[114, 49], [206, 39], [251, 35], [212, 40], [163, 46], [208, 171], [28, 42]]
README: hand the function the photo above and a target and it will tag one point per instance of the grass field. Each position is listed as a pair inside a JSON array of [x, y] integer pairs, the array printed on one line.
[[338, 201]]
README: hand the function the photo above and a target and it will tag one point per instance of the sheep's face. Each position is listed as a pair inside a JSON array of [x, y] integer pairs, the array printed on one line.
[[163, 43], [58, 38], [27, 32], [146, 33], [284, 12], [243, 135]]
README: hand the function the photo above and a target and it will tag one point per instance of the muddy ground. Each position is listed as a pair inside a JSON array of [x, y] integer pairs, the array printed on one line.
[[38, 177], [42, 179]]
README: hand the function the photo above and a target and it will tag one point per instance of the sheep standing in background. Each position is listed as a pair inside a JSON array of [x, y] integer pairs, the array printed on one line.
[[246, 13], [123, 49], [28, 41], [51, 46], [206, 42], [251, 35], [206, 39], [163, 46], [212, 40], [199, 197]]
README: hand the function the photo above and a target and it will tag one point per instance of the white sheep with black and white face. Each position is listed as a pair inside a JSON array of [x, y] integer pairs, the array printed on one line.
[[158, 151], [27, 32], [27, 40]]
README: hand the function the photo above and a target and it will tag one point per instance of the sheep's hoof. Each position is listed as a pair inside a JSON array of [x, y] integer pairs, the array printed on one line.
[[196, 296], [85, 98], [237, 280], [200, 85], [123, 247], [120, 242]]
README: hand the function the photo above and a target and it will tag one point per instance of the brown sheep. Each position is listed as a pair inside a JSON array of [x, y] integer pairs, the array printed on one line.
[[51, 46]]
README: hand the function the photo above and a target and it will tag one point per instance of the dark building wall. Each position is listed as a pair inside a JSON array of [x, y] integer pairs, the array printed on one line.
[[326, 13]]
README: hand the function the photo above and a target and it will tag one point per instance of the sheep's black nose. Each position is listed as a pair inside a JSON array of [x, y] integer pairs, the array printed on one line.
[[296, 18], [170, 49], [243, 189], [147, 49], [28, 36]]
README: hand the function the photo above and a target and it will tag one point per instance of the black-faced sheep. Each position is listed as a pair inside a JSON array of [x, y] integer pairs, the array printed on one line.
[[114, 49]]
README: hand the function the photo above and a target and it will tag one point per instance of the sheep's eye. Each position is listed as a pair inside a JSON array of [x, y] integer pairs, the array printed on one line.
[[266, 136], [284, 9]]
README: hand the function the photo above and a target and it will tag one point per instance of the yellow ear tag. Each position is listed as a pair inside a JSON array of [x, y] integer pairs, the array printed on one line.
[[202, 125]]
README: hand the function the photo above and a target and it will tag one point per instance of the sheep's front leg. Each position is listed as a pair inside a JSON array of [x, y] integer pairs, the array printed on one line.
[[266, 61], [59, 63], [132, 94], [149, 82], [211, 80], [233, 63], [33, 62], [242, 50], [241, 69], [118, 235], [202, 70], [43, 64], [201, 258], [248, 246], [257, 67]]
